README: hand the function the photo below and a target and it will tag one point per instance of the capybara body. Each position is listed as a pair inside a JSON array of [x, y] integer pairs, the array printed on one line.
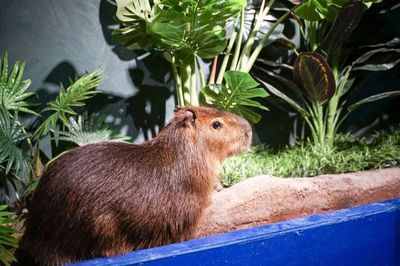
[[110, 198]]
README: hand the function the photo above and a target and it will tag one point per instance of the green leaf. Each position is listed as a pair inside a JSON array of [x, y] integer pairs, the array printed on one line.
[[346, 21], [373, 98], [133, 17], [236, 95], [91, 129], [378, 60], [7, 239], [250, 16], [285, 98], [193, 27], [309, 11], [12, 157], [74, 96], [314, 76], [12, 89]]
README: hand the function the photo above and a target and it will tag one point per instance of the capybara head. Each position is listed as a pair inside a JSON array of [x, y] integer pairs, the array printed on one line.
[[222, 134]]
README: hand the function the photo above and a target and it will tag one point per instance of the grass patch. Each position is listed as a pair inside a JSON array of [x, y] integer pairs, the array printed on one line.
[[349, 155]]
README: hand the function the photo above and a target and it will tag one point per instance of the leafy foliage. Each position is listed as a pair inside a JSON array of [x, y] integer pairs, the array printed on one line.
[[74, 96], [188, 27], [20, 162], [12, 89], [7, 239], [133, 17], [236, 95], [349, 155], [325, 76], [313, 10], [314, 77], [90, 129], [194, 27], [347, 19]]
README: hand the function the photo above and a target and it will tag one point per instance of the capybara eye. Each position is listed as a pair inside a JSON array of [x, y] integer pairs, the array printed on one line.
[[216, 125]]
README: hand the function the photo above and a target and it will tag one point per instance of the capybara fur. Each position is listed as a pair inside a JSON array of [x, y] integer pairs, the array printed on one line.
[[111, 198]]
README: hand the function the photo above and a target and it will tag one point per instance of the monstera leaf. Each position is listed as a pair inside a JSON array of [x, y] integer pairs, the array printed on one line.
[[314, 76], [133, 17], [236, 95], [194, 26]]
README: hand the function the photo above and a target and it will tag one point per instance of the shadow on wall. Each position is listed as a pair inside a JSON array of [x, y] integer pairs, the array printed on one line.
[[148, 106], [107, 11]]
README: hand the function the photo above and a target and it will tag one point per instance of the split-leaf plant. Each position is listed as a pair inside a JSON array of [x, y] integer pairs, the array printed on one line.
[[324, 75], [188, 32]]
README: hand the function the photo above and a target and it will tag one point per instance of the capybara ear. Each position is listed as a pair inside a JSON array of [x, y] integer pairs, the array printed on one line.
[[186, 115]]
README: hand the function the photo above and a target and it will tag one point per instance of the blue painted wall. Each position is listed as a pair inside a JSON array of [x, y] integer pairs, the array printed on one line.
[[365, 235]]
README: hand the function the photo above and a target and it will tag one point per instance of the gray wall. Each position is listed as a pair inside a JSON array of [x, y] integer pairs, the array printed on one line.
[[59, 39]]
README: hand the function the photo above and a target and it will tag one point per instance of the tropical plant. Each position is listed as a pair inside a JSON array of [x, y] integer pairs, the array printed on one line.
[[324, 76], [189, 31], [12, 89], [7, 238], [20, 160], [185, 31], [87, 129], [74, 96]]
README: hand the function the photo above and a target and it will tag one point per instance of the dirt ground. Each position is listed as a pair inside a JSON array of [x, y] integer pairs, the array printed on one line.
[[266, 199]]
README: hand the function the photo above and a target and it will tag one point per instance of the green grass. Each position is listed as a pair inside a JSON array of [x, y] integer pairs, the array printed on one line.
[[349, 155]]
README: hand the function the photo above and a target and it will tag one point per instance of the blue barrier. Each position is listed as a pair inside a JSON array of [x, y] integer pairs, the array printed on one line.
[[364, 235]]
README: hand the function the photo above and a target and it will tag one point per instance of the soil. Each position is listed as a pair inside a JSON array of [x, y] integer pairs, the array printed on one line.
[[266, 199]]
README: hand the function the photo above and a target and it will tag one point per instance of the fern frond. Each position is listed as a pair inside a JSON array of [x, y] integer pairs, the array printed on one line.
[[12, 157], [91, 129], [74, 96], [12, 89], [7, 239]]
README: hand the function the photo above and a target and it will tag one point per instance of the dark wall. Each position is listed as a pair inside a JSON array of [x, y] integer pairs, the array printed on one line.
[[59, 39]]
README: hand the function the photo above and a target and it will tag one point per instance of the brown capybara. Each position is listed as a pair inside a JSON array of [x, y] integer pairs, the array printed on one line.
[[110, 198]]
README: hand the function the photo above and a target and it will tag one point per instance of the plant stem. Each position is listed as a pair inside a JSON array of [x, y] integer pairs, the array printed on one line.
[[213, 70], [235, 58], [322, 128], [261, 44], [226, 58], [333, 112], [312, 34], [178, 82], [194, 100], [186, 83], [312, 128], [253, 34], [317, 120], [201, 73]]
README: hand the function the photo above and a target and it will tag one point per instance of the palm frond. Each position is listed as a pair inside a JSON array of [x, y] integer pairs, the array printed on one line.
[[91, 129], [7, 239], [12, 157], [12, 89], [74, 96]]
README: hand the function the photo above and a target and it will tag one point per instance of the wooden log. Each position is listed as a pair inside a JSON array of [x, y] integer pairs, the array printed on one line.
[[267, 199]]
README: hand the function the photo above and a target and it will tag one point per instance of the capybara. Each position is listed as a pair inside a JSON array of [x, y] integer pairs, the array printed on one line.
[[111, 198]]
